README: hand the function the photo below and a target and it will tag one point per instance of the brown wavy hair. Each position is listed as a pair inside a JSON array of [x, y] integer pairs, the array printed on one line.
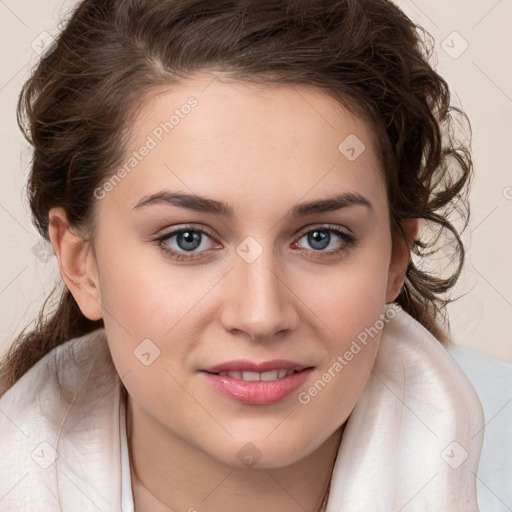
[[77, 106]]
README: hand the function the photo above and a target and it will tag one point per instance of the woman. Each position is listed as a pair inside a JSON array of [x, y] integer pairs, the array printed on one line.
[[241, 197]]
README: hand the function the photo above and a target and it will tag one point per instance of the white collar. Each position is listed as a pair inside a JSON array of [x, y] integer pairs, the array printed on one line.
[[414, 438], [402, 447]]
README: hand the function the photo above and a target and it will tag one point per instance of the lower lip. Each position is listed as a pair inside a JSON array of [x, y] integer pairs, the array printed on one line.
[[258, 392]]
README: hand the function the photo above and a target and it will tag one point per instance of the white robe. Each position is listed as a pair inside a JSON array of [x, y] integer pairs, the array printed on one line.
[[413, 442]]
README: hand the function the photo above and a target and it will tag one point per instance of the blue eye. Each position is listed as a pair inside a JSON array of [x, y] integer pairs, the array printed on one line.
[[320, 238], [331, 238], [187, 240], [189, 243]]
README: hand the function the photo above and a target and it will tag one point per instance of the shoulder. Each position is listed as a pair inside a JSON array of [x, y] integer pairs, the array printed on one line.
[[49, 370], [56, 421], [492, 380], [57, 372]]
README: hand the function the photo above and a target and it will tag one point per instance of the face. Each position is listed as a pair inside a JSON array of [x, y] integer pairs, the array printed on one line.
[[253, 278]]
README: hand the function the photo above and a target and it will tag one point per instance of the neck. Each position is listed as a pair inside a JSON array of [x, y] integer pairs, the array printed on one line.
[[170, 475]]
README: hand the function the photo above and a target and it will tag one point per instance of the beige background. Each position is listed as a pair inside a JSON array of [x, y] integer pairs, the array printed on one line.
[[480, 76]]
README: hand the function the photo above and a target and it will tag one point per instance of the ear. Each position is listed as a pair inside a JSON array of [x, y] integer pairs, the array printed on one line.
[[77, 264], [400, 257]]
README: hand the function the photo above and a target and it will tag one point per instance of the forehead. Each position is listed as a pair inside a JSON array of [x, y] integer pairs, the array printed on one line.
[[211, 136]]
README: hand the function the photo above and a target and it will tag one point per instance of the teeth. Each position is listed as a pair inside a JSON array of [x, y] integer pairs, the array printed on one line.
[[250, 376], [254, 376], [273, 375]]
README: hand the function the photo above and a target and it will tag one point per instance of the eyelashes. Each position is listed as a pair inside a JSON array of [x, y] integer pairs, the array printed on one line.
[[190, 238], [189, 235]]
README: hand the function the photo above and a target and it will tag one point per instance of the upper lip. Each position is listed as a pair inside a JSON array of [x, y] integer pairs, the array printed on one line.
[[245, 365]]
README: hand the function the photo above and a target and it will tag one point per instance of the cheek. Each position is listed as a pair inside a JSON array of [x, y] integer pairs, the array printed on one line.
[[336, 388], [350, 304], [351, 295], [146, 322], [145, 295], [351, 342]]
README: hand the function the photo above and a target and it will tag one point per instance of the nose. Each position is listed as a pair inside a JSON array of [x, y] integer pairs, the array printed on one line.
[[260, 302]]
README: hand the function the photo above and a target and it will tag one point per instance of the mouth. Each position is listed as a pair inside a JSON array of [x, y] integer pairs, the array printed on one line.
[[257, 376], [257, 383]]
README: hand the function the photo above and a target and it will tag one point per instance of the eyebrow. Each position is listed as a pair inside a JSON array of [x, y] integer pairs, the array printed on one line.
[[207, 205]]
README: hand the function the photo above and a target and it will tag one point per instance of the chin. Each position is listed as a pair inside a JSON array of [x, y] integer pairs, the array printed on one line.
[[260, 453]]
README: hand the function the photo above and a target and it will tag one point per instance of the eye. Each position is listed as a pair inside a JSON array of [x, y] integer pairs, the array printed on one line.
[[184, 242], [331, 238]]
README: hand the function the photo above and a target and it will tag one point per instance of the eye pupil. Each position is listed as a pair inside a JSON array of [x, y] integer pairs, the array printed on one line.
[[319, 239], [191, 240]]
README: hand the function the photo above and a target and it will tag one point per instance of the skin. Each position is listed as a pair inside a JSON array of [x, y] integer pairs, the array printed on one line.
[[262, 150]]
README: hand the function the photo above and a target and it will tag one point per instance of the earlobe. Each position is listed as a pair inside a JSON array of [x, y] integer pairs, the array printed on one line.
[[77, 264], [400, 258]]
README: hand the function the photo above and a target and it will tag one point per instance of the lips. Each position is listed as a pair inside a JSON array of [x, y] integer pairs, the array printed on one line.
[[244, 365], [256, 376], [257, 383]]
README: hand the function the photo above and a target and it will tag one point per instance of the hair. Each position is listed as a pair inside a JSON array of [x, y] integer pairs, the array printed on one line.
[[77, 106]]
